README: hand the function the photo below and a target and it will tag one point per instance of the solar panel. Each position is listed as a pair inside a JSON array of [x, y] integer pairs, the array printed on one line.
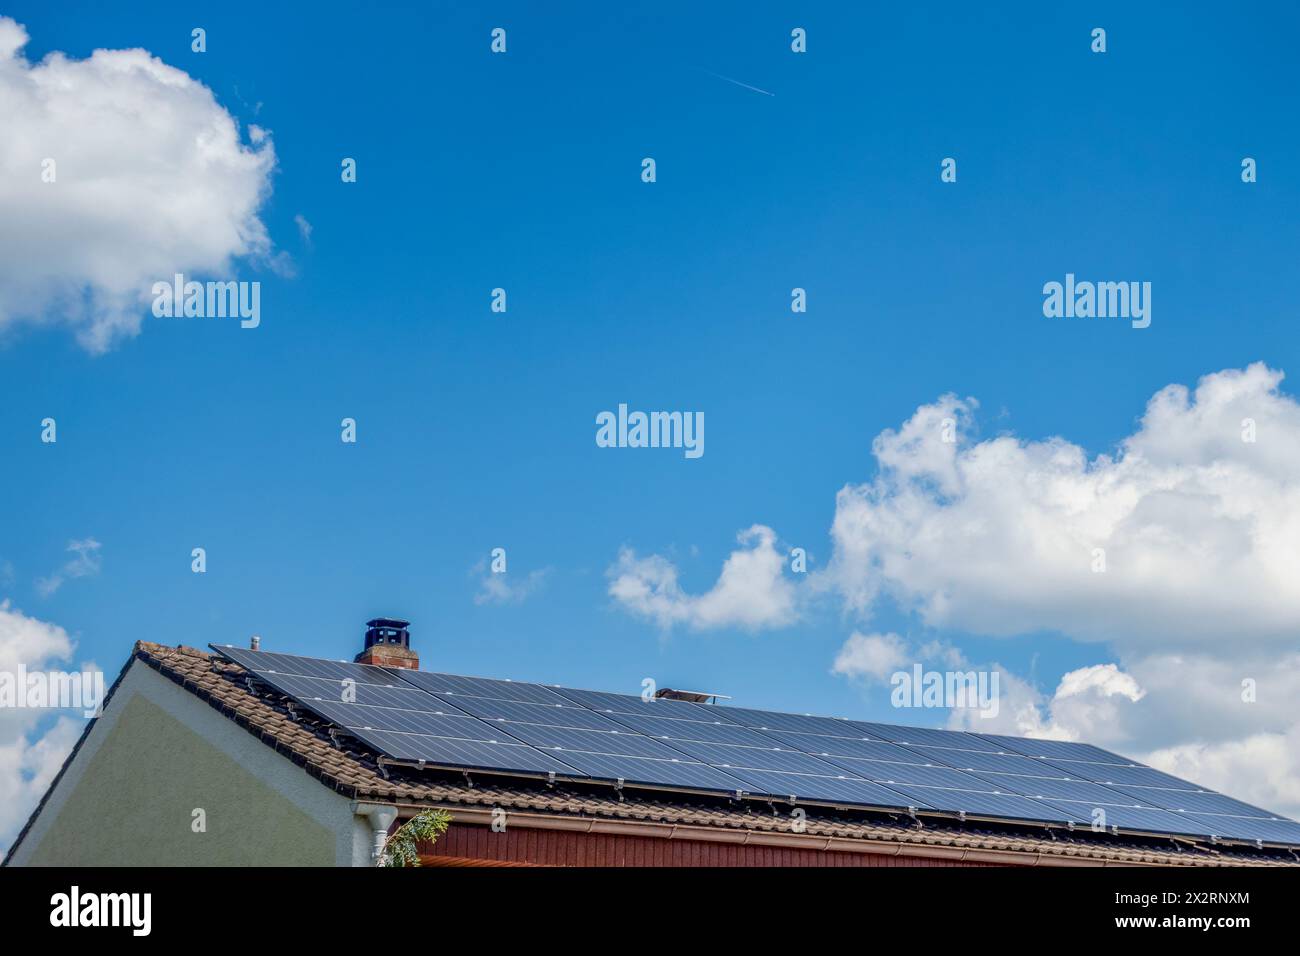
[[797, 723], [516, 727], [379, 695], [1131, 818], [1056, 750], [977, 761], [470, 754], [624, 744], [981, 803], [727, 756], [1247, 828], [825, 746], [842, 790], [1136, 775], [922, 736], [306, 666], [1194, 801], [450, 685], [1052, 787], [518, 712], [709, 731], [631, 704], [682, 773], [918, 774]]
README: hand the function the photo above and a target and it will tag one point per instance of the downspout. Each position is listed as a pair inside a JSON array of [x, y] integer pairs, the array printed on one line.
[[381, 817]]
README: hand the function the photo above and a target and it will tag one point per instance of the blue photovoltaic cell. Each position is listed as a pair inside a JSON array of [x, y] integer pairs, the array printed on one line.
[[1135, 776], [378, 695], [890, 773], [979, 802], [631, 704], [307, 666], [558, 739], [977, 761], [1194, 802], [757, 758], [517, 711], [924, 737], [796, 723], [711, 732], [469, 754], [822, 745], [670, 773], [1052, 787], [1129, 818], [811, 787], [361, 717], [1056, 749], [450, 685], [1247, 828]]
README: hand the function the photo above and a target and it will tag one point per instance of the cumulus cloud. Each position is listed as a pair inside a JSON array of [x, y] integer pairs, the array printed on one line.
[[871, 656], [1199, 529], [86, 561], [150, 177], [501, 588], [29, 760], [751, 592]]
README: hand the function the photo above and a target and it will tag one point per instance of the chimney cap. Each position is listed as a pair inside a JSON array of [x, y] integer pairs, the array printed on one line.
[[388, 622]]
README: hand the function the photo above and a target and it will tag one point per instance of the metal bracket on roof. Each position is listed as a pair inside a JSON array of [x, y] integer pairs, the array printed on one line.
[[550, 778], [1214, 838], [1259, 844], [469, 781], [382, 763], [334, 737], [419, 764], [1069, 825], [961, 815], [293, 710]]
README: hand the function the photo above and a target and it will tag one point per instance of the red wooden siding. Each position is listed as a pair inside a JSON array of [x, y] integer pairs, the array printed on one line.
[[463, 843]]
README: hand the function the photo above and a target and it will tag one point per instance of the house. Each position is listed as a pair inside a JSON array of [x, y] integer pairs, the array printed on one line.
[[198, 759]]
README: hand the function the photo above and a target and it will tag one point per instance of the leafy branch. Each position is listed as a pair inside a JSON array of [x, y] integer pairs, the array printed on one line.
[[402, 848]]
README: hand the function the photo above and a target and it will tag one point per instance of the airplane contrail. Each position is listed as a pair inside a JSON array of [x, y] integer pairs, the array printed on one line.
[[738, 83]]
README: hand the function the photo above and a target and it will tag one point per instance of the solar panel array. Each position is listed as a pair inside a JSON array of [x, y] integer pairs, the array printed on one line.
[[514, 727]]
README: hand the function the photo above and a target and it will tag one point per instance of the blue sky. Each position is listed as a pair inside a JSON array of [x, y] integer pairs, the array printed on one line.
[[523, 171]]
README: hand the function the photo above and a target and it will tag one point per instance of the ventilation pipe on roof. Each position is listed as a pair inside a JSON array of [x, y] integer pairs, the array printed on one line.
[[256, 643]]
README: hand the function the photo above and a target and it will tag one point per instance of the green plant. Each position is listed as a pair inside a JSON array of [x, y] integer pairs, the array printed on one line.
[[402, 848]]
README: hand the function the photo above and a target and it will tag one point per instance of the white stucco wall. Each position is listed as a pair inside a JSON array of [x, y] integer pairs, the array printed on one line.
[[159, 753]]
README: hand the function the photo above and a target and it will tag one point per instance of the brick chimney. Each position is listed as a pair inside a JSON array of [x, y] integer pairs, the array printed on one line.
[[388, 644]]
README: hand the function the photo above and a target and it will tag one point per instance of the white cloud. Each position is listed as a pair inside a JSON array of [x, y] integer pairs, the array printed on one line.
[[871, 656], [1201, 530], [151, 178], [28, 761], [86, 561], [751, 592], [501, 588]]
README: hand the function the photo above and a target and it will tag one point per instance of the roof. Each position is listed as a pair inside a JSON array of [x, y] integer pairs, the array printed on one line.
[[345, 766]]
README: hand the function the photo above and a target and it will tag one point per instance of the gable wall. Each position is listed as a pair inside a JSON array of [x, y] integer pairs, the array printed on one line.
[[156, 755]]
